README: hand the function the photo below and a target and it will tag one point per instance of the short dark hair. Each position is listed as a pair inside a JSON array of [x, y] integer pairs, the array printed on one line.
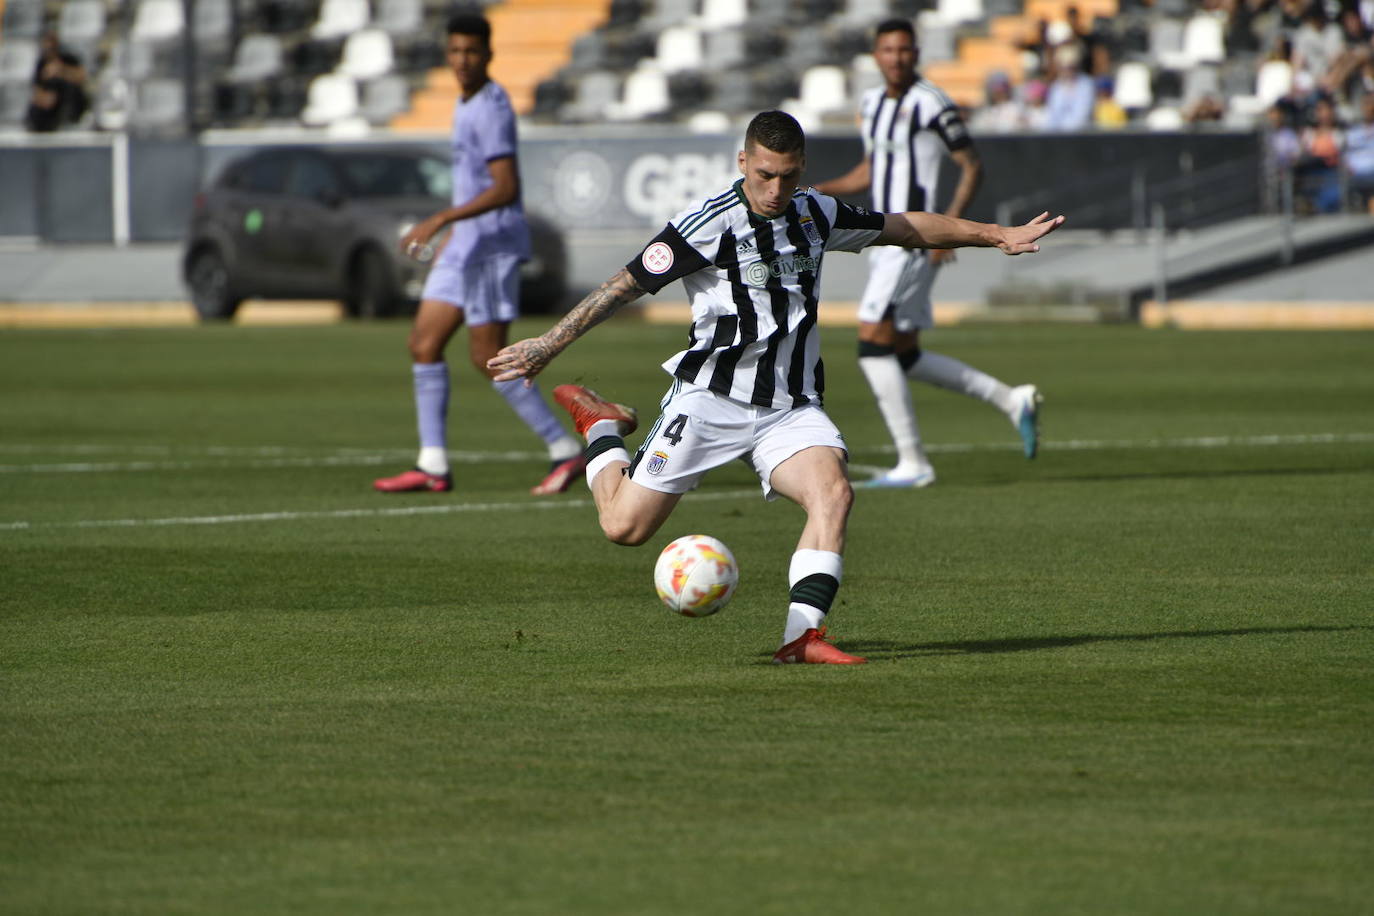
[[895, 25], [777, 131], [470, 24]]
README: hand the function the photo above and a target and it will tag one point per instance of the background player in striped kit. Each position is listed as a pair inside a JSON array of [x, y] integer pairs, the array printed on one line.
[[749, 384], [907, 125], [475, 278]]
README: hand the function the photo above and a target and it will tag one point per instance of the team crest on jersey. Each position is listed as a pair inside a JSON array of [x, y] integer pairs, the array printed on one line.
[[656, 463], [813, 235], [657, 258]]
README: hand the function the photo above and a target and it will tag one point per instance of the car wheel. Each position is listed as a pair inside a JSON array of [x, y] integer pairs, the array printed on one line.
[[212, 294], [371, 290]]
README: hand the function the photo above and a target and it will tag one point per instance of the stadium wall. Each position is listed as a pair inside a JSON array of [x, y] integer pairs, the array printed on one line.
[[114, 189]]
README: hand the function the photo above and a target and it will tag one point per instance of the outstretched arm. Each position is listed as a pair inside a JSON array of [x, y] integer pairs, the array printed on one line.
[[854, 181], [526, 358], [932, 230]]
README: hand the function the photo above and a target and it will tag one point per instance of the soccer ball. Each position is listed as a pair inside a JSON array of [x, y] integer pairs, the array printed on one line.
[[696, 575]]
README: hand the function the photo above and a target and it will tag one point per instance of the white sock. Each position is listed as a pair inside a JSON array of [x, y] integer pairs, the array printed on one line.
[[947, 372], [813, 578], [602, 428], [564, 448], [890, 388], [433, 460], [598, 464]]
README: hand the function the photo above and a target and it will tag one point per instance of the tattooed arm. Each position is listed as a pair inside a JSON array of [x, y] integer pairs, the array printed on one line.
[[526, 358]]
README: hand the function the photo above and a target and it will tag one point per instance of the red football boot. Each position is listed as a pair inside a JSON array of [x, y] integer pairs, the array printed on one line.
[[588, 407], [414, 481], [561, 476], [810, 648]]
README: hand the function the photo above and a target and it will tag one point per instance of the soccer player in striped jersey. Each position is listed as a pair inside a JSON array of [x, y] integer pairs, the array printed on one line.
[[908, 123], [476, 277], [749, 384]]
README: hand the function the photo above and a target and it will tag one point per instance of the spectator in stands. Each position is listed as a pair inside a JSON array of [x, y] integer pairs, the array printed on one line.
[[1342, 77], [1317, 43], [1359, 154], [1003, 113], [1319, 166], [1033, 94], [59, 88], [1069, 102], [1206, 108], [1107, 113]]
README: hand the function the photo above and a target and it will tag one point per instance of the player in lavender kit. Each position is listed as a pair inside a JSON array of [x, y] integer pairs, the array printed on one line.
[[750, 383], [907, 125], [475, 279]]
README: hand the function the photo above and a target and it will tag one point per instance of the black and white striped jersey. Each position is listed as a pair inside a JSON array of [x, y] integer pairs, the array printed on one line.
[[903, 139], [753, 283]]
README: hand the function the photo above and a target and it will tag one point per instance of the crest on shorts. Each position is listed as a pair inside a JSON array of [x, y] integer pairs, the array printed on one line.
[[813, 235], [657, 258], [657, 462]]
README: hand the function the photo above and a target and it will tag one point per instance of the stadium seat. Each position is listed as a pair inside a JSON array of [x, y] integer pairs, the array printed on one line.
[[1199, 81], [596, 94], [679, 48], [384, 98], [367, 54], [959, 11], [257, 57], [1274, 81], [1166, 43], [161, 105], [669, 13], [212, 22], [130, 60], [400, 18], [645, 93], [14, 103], [1164, 119], [1132, 90], [1203, 40], [724, 49], [79, 27], [157, 21], [823, 89], [18, 58], [709, 122], [722, 14], [21, 19], [339, 18], [112, 103], [331, 97]]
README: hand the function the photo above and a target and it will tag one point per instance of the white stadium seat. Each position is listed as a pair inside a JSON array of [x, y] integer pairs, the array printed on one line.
[[645, 93], [719, 14], [1274, 81], [367, 54], [331, 97], [1132, 90], [157, 20], [1203, 40], [339, 18], [824, 89], [679, 48]]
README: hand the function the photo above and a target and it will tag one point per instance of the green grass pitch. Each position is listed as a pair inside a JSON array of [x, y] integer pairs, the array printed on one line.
[[1133, 676]]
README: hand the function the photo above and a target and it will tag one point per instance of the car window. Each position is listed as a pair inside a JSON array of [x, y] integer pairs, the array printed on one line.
[[312, 176], [265, 174], [383, 175]]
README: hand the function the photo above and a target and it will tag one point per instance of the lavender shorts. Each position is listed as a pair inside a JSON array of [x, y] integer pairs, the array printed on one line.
[[487, 291]]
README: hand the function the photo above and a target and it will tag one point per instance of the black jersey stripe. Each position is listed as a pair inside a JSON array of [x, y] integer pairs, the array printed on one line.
[[723, 373], [726, 325], [765, 374], [796, 371]]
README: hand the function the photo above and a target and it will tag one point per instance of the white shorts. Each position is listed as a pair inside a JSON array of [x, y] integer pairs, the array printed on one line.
[[487, 291], [700, 430], [899, 284]]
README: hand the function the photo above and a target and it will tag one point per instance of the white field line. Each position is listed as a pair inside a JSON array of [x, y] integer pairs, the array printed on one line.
[[362, 457], [450, 509], [221, 458]]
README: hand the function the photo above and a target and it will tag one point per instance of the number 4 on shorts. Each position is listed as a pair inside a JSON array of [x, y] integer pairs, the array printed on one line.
[[673, 431]]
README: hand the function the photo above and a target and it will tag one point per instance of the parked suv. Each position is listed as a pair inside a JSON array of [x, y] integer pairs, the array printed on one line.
[[324, 223]]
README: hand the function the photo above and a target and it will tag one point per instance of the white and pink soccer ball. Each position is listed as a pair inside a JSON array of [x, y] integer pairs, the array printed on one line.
[[696, 575]]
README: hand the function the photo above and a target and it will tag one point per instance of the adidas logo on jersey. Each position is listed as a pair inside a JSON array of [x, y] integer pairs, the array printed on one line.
[[745, 245]]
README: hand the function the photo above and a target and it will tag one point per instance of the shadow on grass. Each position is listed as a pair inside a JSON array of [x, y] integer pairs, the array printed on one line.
[[886, 649]]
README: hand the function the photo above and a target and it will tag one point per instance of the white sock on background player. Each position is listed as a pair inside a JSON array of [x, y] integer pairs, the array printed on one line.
[[947, 372], [893, 394]]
